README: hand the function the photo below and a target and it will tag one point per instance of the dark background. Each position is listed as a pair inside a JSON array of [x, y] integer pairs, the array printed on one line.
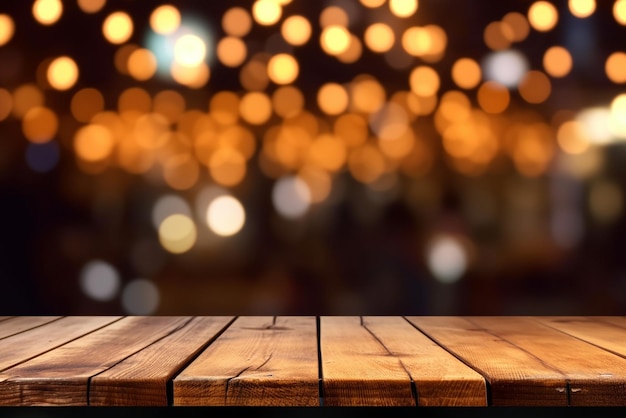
[[363, 254]]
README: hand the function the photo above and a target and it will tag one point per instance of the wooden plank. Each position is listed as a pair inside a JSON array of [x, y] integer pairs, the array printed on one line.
[[440, 378], [516, 377], [15, 325], [4, 318], [61, 376], [141, 379], [357, 370], [257, 361], [28, 344], [595, 330], [596, 377]]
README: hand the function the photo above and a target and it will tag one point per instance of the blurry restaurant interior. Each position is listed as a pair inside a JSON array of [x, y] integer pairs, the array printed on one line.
[[332, 157]]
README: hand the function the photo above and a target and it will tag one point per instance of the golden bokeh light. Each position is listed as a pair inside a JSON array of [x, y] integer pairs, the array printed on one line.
[[334, 15], [366, 94], [122, 55], [615, 67], [224, 107], [177, 233], [498, 36], [353, 52], [543, 16], [7, 28], [493, 97], [93, 142], [328, 152], [134, 99], [332, 98], [236, 21], [170, 104], [142, 64], [86, 103], [335, 39], [117, 28], [319, 183], [557, 61], [91, 6], [181, 172], [26, 97], [266, 12], [466, 73], [535, 87], [372, 3], [189, 50], [62, 73], [518, 24], [424, 81], [283, 69], [255, 108], [582, 8], [571, 137], [231, 51], [47, 12], [6, 104], [427, 42], [165, 19], [227, 166], [253, 75], [403, 8], [287, 101], [194, 77], [351, 128], [40, 124], [379, 37], [366, 163], [225, 216], [296, 30], [619, 11]]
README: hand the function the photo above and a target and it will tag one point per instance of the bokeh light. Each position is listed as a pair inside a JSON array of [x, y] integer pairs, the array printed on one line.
[[100, 280], [47, 12], [225, 216], [118, 27], [62, 73], [7, 28], [177, 233], [165, 19], [447, 258], [140, 297]]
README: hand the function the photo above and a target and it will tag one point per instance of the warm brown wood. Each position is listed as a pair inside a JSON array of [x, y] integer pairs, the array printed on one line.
[[30, 343], [11, 326], [440, 378], [61, 376], [593, 375], [595, 330], [357, 369], [141, 379], [257, 361], [516, 377]]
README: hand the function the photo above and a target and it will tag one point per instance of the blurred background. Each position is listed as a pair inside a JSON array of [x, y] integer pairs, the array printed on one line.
[[333, 157]]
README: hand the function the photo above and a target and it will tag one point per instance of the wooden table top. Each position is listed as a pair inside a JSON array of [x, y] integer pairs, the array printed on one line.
[[313, 361]]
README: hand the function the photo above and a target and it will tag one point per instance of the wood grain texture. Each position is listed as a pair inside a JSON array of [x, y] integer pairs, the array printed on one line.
[[61, 376], [141, 379], [257, 361], [15, 325], [357, 369], [440, 378], [516, 377], [593, 376], [32, 342], [595, 330]]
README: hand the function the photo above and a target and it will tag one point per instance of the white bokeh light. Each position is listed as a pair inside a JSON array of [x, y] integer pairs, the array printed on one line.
[[99, 280], [225, 216], [447, 258], [140, 297], [506, 67], [291, 197]]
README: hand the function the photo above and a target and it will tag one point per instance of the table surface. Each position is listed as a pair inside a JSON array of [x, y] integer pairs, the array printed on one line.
[[313, 361]]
